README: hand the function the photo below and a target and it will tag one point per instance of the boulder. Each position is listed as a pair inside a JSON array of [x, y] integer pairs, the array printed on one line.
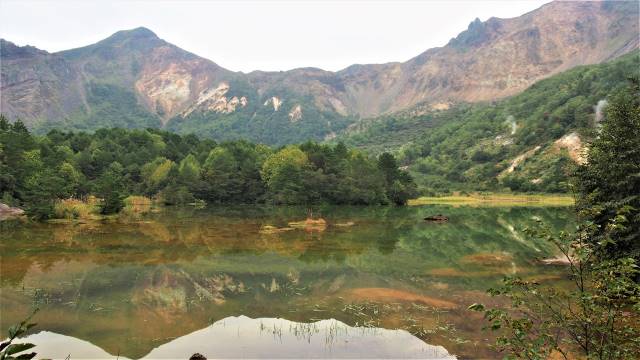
[[7, 211]]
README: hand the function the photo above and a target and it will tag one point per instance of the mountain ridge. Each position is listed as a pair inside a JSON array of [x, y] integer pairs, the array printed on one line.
[[188, 93]]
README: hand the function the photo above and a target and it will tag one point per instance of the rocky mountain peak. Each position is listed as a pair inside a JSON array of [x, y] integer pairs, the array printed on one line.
[[476, 34]]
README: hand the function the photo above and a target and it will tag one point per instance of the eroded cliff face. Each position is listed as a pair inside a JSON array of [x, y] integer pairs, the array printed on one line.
[[490, 60], [214, 99], [37, 85], [166, 90]]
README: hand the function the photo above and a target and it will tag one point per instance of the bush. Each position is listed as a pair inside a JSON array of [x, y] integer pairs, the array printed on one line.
[[136, 205], [76, 208]]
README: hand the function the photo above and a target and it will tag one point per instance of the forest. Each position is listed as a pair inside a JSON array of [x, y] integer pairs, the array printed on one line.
[[112, 164]]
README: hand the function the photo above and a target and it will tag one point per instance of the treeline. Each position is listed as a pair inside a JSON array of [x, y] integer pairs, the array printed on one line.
[[112, 164]]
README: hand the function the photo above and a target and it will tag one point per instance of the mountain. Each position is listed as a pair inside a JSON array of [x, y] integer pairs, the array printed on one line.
[[526, 142], [502, 57], [37, 85], [135, 79]]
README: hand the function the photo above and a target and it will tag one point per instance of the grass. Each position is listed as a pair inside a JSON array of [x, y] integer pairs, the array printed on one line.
[[71, 210], [88, 208], [489, 200], [137, 205]]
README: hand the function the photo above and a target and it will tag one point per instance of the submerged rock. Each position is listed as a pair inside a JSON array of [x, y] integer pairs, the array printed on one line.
[[436, 218]]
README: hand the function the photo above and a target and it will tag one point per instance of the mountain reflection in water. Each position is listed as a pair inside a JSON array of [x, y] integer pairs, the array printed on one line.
[[136, 286]]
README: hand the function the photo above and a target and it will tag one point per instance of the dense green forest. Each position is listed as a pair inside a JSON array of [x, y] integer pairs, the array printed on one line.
[[114, 163], [470, 145]]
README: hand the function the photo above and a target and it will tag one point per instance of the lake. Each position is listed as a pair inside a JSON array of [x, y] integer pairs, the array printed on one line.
[[232, 282]]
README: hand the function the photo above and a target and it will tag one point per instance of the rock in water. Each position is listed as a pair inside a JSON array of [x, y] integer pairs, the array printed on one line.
[[437, 219]]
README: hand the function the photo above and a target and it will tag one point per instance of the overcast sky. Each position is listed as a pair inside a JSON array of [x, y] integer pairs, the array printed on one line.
[[259, 35]]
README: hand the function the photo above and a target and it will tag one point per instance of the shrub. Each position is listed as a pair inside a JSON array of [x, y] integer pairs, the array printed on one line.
[[136, 205], [76, 208]]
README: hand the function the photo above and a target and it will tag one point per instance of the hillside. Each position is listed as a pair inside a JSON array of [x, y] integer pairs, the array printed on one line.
[[525, 143], [134, 79]]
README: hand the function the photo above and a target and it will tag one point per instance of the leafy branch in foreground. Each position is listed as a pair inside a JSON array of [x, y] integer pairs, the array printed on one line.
[[593, 316], [9, 350]]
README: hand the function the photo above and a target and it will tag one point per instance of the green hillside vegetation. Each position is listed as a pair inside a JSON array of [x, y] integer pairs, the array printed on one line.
[[112, 164], [468, 146], [109, 106], [259, 123]]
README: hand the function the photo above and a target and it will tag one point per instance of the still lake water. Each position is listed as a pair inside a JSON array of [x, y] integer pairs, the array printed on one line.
[[377, 282]]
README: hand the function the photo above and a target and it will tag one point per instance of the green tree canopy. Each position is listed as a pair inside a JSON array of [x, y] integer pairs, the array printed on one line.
[[608, 184]]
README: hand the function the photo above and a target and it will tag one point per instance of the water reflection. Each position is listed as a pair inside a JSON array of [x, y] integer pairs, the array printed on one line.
[[132, 286], [243, 337]]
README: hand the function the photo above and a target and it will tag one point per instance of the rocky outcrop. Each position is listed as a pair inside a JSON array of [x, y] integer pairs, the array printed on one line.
[[273, 101], [574, 146], [295, 114], [7, 212], [519, 160], [215, 100]]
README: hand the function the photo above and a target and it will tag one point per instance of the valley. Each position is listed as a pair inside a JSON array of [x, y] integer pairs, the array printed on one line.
[[477, 200]]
